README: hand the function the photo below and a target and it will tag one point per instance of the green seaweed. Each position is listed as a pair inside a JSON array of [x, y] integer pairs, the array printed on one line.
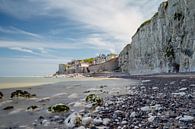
[[93, 98], [58, 108]]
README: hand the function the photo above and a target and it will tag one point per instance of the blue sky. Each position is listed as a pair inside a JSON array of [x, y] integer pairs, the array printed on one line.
[[37, 35]]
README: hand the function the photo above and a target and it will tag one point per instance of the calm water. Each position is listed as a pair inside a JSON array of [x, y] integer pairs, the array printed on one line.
[[12, 82]]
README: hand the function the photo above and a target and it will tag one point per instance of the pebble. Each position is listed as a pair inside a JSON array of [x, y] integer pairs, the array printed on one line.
[[86, 121], [179, 94], [146, 108], [183, 89], [186, 118], [155, 88], [45, 122], [106, 121], [97, 121], [151, 118], [192, 85]]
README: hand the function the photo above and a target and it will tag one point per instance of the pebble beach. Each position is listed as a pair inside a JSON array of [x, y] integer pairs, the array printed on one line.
[[138, 102]]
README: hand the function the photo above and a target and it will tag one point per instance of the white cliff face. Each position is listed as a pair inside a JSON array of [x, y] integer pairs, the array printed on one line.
[[166, 43]]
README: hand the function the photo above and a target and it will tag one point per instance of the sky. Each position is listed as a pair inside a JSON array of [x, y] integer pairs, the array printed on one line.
[[37, 35]]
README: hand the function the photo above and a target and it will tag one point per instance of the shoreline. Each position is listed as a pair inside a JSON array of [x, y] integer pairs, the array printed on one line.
[[45, 81]]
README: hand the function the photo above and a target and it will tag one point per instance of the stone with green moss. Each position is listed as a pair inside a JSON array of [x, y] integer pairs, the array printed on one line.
[[94, 99], [57, 108], [21, 93]]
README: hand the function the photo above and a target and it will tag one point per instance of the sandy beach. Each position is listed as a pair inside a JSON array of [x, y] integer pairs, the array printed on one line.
[[71, 92]]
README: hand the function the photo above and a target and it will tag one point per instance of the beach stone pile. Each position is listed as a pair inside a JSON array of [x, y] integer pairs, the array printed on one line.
[[156, 103]]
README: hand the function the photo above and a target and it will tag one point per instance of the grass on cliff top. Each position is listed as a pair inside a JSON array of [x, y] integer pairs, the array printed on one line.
[[165, 5], [88, 60]]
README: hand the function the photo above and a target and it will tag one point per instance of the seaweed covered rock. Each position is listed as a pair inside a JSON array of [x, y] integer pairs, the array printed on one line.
[[73, 120], [1, 95], [20, 93], [94, 99], [8, 108], [57, 108]]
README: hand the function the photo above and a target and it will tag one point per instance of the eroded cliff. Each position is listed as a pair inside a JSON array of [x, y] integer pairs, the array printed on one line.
[[165, 43]]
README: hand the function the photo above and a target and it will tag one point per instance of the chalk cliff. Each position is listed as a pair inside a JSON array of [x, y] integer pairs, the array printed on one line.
[[165, 43]]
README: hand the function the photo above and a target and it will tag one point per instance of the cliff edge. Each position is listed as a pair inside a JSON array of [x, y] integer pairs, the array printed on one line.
[[165, 43]]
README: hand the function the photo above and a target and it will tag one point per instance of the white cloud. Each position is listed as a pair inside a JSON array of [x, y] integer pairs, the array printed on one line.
[[22, 49], [118, 20], [114, 18], [14, 30]]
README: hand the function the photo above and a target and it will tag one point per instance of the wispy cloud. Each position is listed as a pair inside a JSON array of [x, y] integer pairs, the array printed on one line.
[[14, 30], [22, 49]]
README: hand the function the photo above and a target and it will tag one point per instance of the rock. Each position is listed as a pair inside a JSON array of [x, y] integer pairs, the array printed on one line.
[[183, 80], [8, 108], [1, 95], [173, 82], [183, 89], [192, 85], [94, 99], [20, 93], [103, 86], [133, 114], [186, 118], [124, 122], [73, 120], [58, 108], [45, 122], [155, 88], [86, 121], [88, 106], [156, 107], [179, 94], [146, 108], [97, 121], [144, 81], [151, 118], [106, 121], [33, 108]]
